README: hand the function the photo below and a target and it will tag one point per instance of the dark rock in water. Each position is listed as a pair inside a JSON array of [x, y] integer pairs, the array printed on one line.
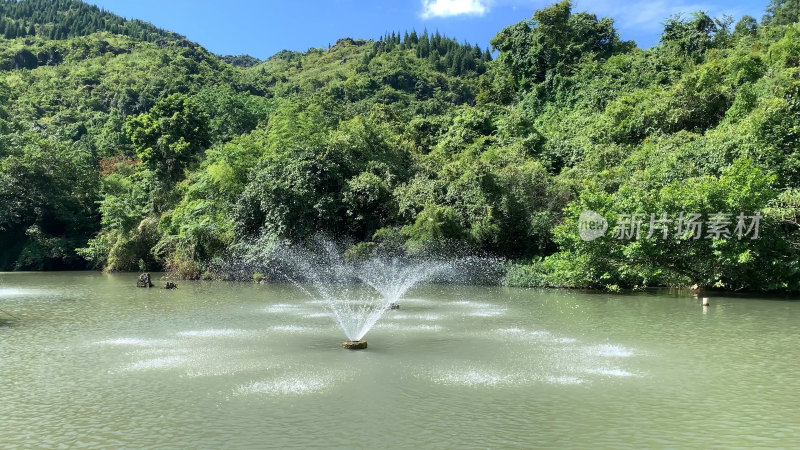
[[355, 345], [144, 281], [170, 285], [394, 306]]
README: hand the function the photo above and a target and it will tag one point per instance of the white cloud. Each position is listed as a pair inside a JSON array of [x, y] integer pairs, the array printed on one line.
[[449, 8], [644, 19], [649, 15]]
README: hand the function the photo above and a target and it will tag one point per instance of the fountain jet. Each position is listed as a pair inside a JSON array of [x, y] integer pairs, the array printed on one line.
[[358, 292]]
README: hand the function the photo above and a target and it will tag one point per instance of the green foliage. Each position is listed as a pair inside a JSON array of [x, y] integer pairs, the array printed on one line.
[[141, 149], [369, 204], [63, 19], [553, 42], [444, 54], [782, 12], [240, 60], [230, 113], [44, 214], [679, 259], [690, 37], [434, 224], [169, 137]]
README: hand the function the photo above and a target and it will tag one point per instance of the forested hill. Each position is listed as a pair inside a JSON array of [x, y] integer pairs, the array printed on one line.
[[125, 147], [62, 19]]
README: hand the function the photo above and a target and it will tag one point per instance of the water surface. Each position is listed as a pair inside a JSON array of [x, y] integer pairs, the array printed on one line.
[[89, 359]]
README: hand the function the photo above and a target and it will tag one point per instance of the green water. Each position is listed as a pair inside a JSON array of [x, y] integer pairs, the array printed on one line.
[[88, 359]]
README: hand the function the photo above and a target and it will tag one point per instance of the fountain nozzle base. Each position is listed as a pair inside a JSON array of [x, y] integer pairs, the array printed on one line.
[[354, 345]]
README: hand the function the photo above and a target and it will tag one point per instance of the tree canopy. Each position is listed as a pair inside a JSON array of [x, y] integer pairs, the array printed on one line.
[[123, 146]]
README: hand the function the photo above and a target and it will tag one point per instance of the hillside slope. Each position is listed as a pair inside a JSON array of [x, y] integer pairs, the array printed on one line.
[[147, 153], [62, 19]]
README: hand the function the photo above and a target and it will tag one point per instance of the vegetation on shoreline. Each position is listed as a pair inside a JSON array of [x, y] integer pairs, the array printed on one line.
[[124, 146]]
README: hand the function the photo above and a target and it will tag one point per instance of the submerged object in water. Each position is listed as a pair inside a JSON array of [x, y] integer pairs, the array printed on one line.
[[144, 281], [355, 345]]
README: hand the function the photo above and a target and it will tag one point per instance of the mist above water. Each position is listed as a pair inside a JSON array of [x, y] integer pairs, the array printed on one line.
[[359, 291]]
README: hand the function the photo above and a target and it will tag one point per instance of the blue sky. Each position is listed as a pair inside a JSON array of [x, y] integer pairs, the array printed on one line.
[[262, 28]]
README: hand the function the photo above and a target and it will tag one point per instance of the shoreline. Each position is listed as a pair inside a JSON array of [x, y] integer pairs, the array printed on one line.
[[680, 291]]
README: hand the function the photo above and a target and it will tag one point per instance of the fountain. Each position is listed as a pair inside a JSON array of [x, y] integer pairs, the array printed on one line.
[[355, 345], [357, 292]]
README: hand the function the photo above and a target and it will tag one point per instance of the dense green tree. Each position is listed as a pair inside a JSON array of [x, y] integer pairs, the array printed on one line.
[[783, 12], [170, 137], [690, 37], [241, 60], [47, 193], [746, 26], [553, 41]]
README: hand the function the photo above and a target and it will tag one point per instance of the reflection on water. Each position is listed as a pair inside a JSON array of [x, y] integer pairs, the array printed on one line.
[[94, 361]]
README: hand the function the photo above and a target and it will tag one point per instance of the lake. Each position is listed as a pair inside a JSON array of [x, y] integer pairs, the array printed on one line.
[[88, 359]]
